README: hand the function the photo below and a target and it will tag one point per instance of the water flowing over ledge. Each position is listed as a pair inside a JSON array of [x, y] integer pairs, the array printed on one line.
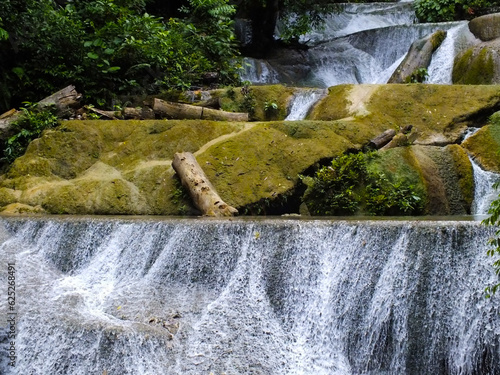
[[251, 297]]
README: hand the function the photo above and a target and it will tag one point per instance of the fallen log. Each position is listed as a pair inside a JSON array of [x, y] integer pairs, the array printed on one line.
[[143, 113], [65, 102], [172, 110], [382, 139], [202, 192]]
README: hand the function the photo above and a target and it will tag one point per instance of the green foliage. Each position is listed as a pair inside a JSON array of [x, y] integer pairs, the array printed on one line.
[[419, 75], [448, 10], [249, 102], [30, 125], [348, 187], [494, 220], [112, 47]]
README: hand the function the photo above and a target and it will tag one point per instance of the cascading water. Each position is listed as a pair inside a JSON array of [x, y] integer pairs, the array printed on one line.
[[110, 296], [302, 102], [363, 43], [457, 39], [484, 193]]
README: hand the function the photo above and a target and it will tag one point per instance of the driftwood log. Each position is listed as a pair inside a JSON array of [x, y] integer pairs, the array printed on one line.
[[202, 192], [186, 111], [382, 139]]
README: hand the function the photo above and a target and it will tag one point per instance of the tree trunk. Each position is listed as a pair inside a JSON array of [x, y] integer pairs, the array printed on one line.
[[186, 111], [202, 192]]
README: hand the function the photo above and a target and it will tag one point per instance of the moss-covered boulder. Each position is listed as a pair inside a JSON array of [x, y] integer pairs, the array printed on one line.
[[478, 65], [484, 147], [442, 176]]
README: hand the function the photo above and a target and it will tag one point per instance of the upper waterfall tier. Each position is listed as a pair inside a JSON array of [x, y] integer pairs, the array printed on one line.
[[362, 43]]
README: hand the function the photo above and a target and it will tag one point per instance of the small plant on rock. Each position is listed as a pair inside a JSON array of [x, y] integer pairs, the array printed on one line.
[[30, 125]]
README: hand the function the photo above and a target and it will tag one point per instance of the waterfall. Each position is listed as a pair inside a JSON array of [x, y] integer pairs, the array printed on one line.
[[258, 71], [172, 296], [484, 193], [355, 17], [362, 43], [457, 39], [302, 102]]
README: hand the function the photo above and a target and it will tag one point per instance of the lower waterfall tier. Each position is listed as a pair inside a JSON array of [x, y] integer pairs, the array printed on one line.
[[173, 296]]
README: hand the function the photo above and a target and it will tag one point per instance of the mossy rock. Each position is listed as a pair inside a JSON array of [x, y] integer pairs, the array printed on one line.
[[253, 101], [263, 162], [124, 167], [440, 113], [8, 196], [447, 176], [484, 147], [478, 65], [21, 209], [442, 176], [108, 167]]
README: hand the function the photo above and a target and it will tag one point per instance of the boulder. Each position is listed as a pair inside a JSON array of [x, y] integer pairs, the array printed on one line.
[[483, 146], [419, 57], [486, 27]]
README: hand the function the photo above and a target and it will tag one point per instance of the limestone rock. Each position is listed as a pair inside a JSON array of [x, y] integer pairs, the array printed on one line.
[[486, 27]]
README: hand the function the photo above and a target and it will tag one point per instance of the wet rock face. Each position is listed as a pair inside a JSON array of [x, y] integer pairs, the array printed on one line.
[[486, 27]]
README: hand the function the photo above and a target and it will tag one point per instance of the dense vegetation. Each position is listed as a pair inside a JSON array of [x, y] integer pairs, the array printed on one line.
[[109, 48], [349, 186], [451, 10]]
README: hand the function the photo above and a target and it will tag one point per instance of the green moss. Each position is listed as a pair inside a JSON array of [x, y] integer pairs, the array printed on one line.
[[464, 174], [264, 161], [399, 166], [474, 68], [437, 38], [21, 209], [437, 111], [335, 106]]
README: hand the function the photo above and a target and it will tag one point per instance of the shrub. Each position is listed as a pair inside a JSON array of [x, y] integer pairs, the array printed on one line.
[[348, 187]]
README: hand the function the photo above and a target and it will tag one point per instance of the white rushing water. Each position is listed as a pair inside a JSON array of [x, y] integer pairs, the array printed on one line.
[[303, 101], [457, 39], [97, 296], [484, 193], [363, 43]]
